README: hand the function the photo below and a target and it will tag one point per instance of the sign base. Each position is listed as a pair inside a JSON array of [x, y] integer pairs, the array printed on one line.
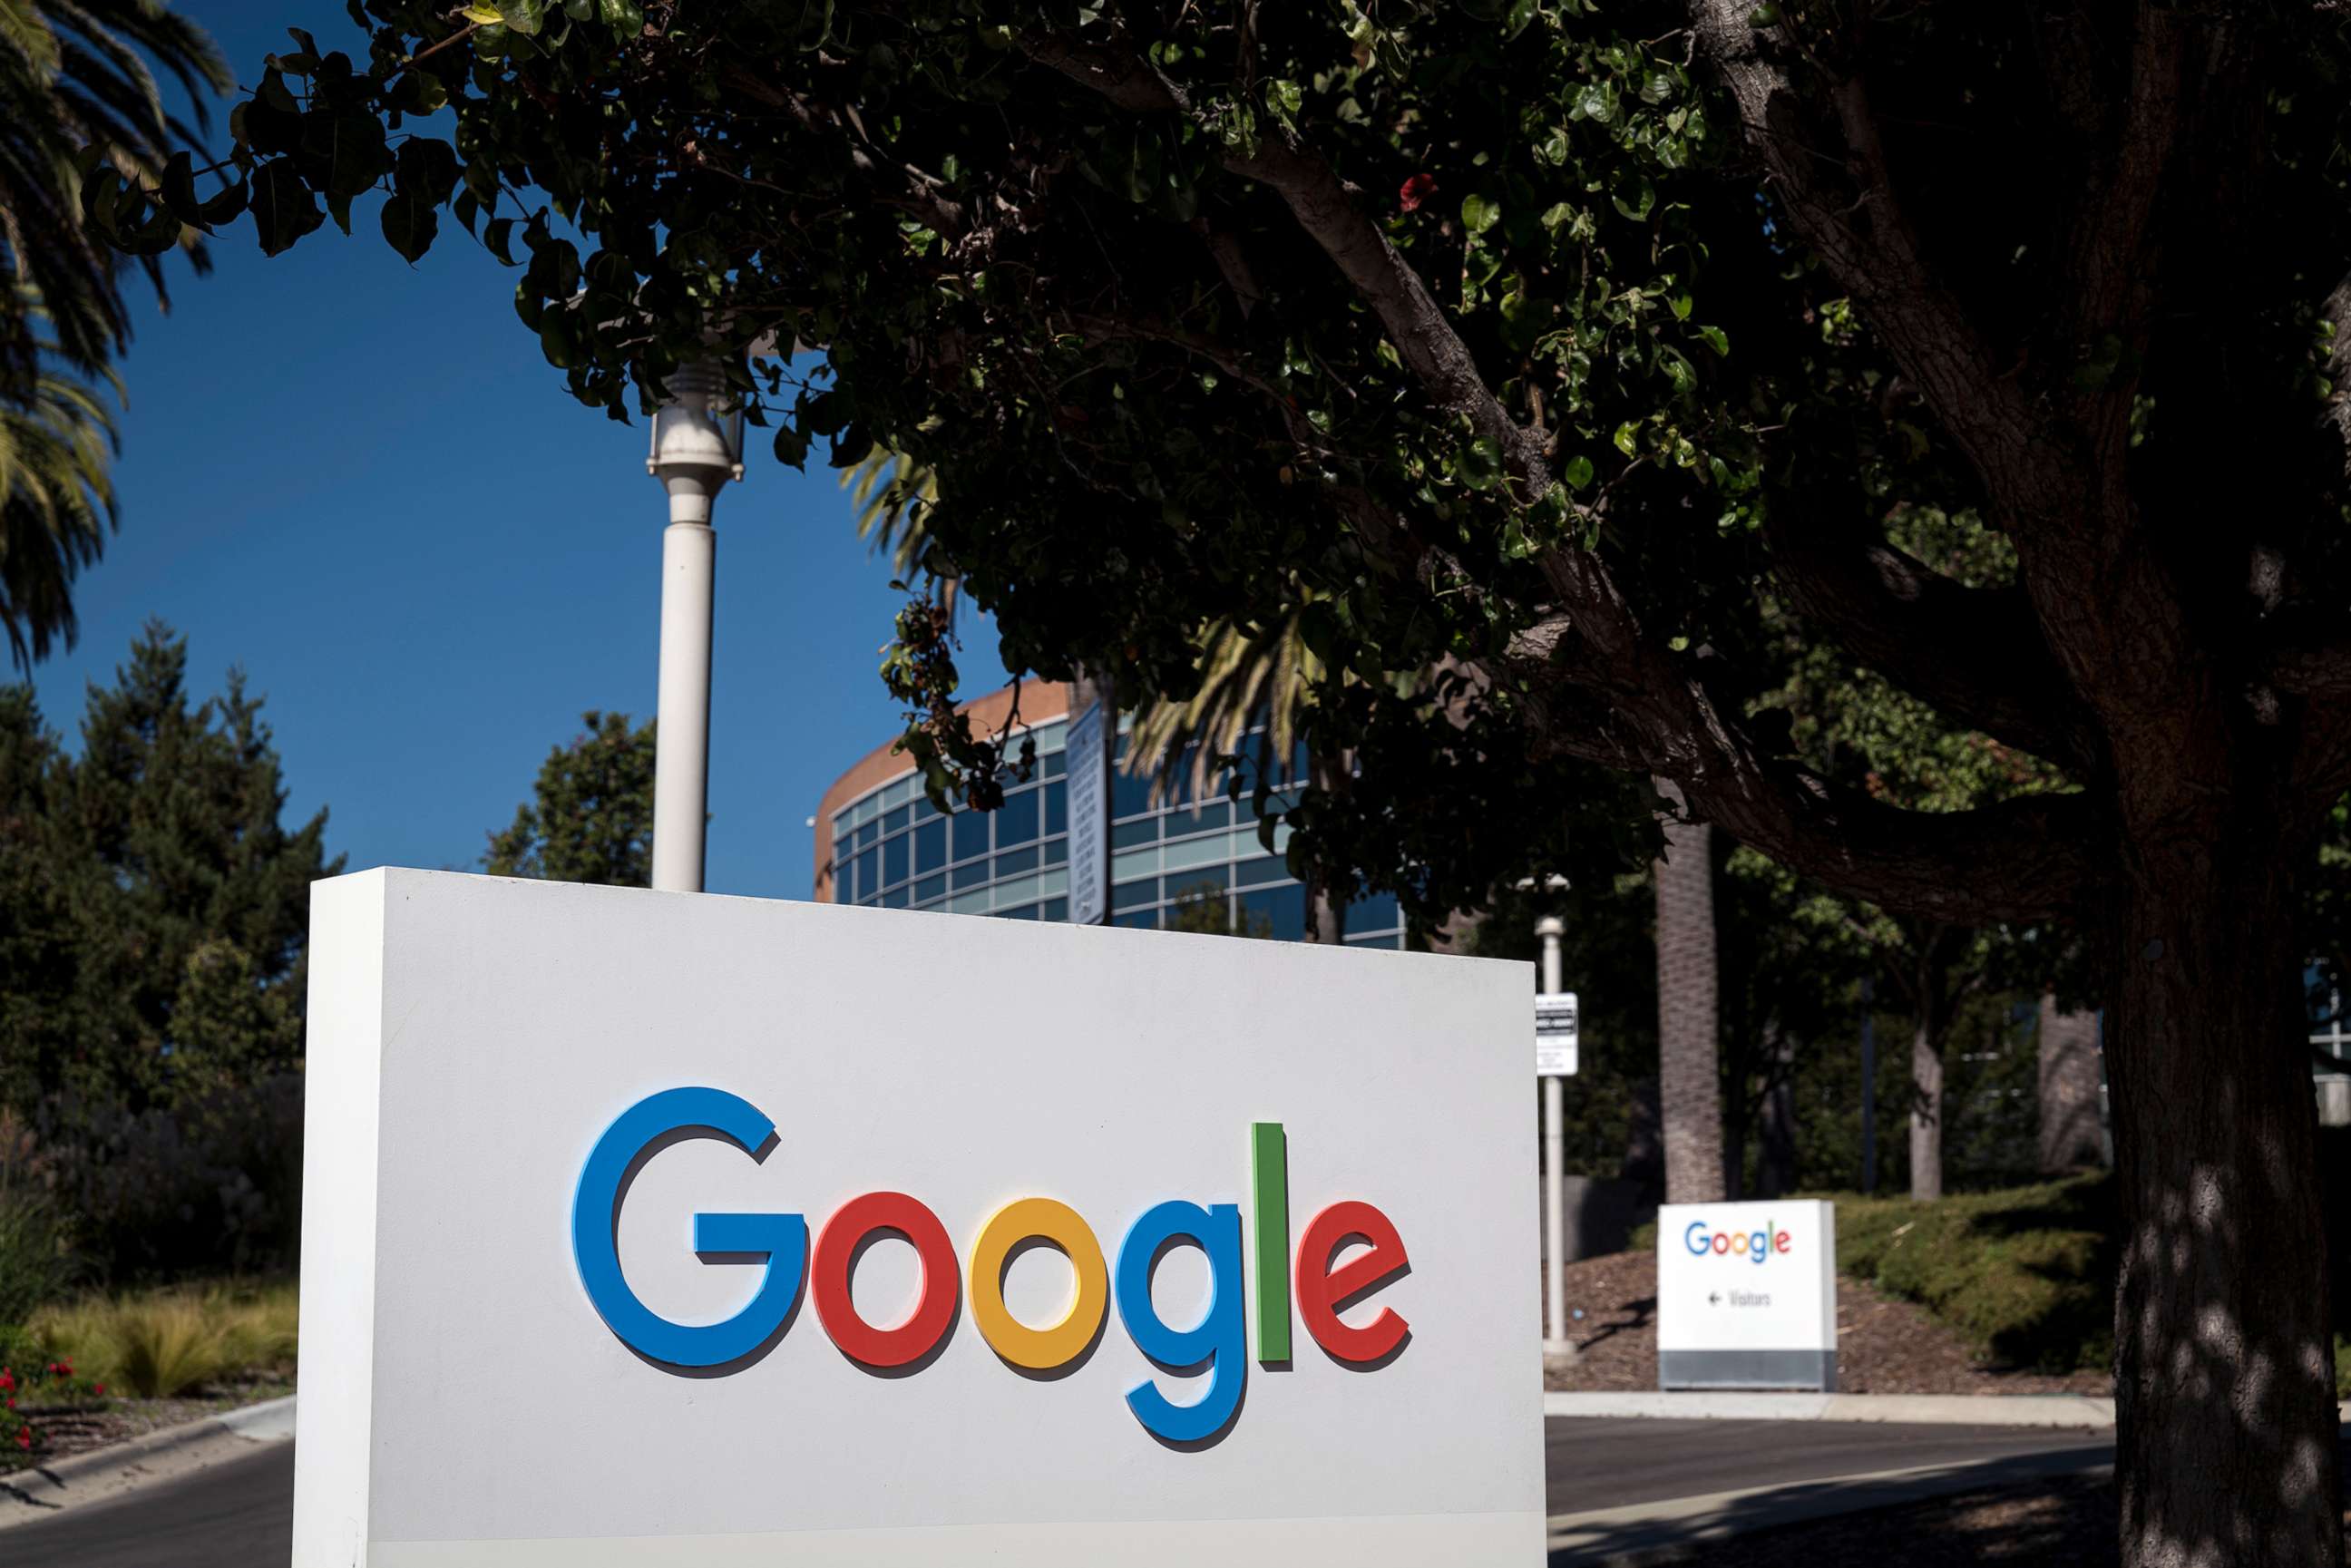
[[1800, 1369]]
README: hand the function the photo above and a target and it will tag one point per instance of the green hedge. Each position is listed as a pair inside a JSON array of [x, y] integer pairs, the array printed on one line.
[[2027, 1273]]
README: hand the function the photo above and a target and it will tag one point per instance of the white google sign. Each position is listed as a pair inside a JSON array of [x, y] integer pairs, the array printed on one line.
[[1747, 1295], [655, 1229]]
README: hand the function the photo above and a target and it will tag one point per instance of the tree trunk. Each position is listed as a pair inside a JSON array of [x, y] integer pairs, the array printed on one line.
[[1775, 1173], [2224, 1365], [1326, 916], [1689, 1079], [1926, 1114], [2071, 1074]]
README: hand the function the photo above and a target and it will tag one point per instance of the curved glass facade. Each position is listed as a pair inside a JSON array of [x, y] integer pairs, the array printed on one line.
[[1196, 863]]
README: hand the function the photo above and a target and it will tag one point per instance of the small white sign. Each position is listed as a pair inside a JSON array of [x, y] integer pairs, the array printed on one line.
[[1555, 1035], [1747, 1295], [1089, 820]]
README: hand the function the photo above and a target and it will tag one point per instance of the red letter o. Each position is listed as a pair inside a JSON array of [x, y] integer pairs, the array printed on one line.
[[829, 1273]]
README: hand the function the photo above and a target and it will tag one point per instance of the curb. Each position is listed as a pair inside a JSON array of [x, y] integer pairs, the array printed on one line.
[[1676, 1529], [2076, 1411], [46, 1490]]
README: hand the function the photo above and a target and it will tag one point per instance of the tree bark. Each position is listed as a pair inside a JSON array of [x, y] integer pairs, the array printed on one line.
[[1926, 1112], [1775, 1167], [1688, 1076], [2071, 1073], [2224, 1368], [1326, 916]]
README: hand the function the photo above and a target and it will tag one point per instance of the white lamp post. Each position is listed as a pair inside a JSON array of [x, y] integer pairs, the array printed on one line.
[[697, 447]]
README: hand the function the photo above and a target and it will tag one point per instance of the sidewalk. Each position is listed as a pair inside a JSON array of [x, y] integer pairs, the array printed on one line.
[[46, 1490]]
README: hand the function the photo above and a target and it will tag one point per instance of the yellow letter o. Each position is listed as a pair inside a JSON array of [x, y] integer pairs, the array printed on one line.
[[1040, 1350]]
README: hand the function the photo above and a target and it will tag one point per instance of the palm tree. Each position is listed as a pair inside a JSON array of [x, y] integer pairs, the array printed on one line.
[[77, 83]]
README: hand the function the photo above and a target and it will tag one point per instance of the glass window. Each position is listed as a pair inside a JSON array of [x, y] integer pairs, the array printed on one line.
[[1264, 869], [1026, 912], [1126, 835], [1377, 913], [1143, 919], [1199, 879], [1128, 894], [894, 820], [970, 834], [893, 861], [929, 888], [1129, 797], [1016, 820], [1016, 862], [1055, 765], [1390, 939], [1057, 909], [972, 875], [1285, 907], [865, 834], [1207, 819], [894, 899], [1056, 850], [1057, 808], [869, 878], [923, 809], [930, 846]]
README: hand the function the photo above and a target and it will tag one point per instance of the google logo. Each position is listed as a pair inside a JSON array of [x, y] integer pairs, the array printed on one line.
[[1754, 1245], [780, 1243]]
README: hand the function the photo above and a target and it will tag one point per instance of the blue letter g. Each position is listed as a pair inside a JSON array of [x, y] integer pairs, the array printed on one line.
[[596, 1219]]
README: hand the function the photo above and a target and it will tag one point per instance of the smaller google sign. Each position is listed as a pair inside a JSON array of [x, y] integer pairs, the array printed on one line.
[[779, 1243], [1747, 1295]]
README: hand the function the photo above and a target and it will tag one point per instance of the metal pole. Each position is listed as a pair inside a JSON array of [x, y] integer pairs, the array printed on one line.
[[682, 748], [1868, 1092], [1554, 1153], [697, 449]]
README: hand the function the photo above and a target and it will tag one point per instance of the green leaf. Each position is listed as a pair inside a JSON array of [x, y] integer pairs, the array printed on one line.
[[179, 184], [1479, 213], [1716, 339], [791, 446], [1521, 13], [1578, 472], [498, 235], [622, 16], [1481, 464], [1641, 197], [410, 222], [284, 210], [1628, 439]]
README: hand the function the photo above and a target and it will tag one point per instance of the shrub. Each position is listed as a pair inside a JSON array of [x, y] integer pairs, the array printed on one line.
[[211, 1186], [36, 1380], [36, 1262], [2027, 1273], [164, 1343]]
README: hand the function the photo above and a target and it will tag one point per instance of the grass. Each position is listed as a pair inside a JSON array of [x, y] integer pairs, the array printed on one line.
[[156, 1344]]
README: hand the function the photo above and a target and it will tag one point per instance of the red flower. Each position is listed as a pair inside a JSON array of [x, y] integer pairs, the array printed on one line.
[[7, 1380], [98, 1389], [24, 1437], [12, 1402], [1415, 191]]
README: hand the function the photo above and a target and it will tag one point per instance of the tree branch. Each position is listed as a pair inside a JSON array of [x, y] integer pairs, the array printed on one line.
[[1975, 654], [1326, 208], [1869, 246]]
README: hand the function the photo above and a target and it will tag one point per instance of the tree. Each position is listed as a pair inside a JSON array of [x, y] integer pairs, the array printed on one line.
[[78, 84], [591, 815], [183, 887], [1533, 339]]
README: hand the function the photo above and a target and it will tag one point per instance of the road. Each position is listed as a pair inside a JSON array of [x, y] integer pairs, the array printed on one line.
[[240, 1514]]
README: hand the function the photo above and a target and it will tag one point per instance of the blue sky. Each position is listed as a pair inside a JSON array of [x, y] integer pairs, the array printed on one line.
[[360, 481]]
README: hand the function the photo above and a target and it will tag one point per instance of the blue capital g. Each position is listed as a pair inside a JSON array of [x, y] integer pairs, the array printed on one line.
[[781, 1239]]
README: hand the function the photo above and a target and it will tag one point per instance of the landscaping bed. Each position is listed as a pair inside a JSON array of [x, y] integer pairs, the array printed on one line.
[[103, 1369], [1885, 1344]]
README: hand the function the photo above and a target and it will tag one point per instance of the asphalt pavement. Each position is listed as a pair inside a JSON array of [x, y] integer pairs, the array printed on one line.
[[240, 1514]]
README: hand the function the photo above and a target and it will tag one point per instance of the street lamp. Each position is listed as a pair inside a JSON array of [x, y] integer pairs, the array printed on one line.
[[697, 447], [1550, 929]]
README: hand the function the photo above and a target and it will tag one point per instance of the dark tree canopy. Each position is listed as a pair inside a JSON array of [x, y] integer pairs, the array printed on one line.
[[590, 814], [1522, 351]]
